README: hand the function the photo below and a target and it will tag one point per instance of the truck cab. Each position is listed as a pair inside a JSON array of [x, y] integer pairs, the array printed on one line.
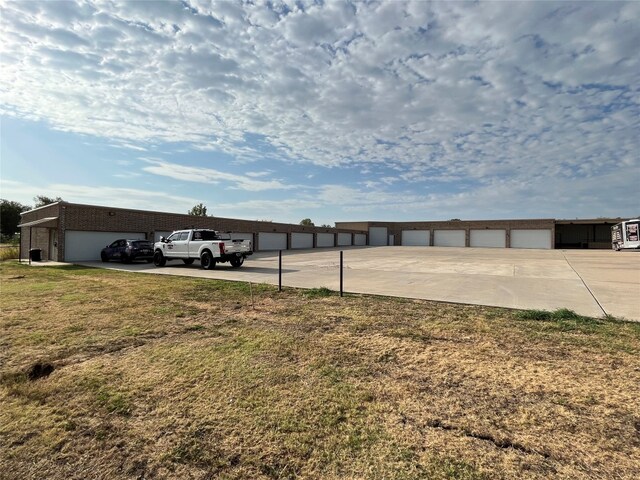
[[208, 246]]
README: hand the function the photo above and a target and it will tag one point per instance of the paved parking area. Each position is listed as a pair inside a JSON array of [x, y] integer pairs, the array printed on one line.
[[590, 282]]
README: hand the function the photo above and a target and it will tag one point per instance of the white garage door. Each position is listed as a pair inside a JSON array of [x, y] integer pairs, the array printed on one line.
[[415, 237], [378, 236], [302, 240], [488, 238], [344, 239], [324, 240], [242, 236], [449, 238], [272, 241], [86, 246], [531, 238], [359, 239]]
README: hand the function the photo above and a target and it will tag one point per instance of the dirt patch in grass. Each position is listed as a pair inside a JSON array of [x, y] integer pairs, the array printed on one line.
[[159, 377]]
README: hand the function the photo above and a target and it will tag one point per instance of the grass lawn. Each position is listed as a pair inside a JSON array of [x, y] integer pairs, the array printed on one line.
[[117, 375]]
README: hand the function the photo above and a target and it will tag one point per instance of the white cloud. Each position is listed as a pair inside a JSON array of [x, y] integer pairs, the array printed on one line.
[[99, 195], [209, 175], [490, 92]]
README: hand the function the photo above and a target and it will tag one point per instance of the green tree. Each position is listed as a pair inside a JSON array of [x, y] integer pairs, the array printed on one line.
[[42, 200], [10, 217], [307, 222], [326, 225], [198, 210]]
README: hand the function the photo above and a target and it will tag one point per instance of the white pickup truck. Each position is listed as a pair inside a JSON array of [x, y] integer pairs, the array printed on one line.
[[208, 246]]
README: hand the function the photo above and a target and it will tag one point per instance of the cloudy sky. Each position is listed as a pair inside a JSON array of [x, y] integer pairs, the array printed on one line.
[[335, 111]]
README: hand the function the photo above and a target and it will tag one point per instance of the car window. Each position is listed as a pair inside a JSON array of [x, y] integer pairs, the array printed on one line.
[[197, 235], [209, 235], [114, 244], [174, 236], [184, 235], [122, 243], [141, 244]]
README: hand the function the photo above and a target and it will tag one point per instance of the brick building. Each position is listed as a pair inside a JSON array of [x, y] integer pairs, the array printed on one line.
[[74, 232]]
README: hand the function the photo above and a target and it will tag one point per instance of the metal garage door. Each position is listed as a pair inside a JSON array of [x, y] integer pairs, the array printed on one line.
[[302, 240], [540, 238], [82, 246], [488, 238], [359, 239], [272, 241], [378, 236], [242, 236], [415, 237], [344, 239], [325, 240], [449, 238]]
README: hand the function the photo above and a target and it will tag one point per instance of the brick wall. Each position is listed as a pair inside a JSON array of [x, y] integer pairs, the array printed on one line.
[[396, 228], [105, 219], [39, 236]]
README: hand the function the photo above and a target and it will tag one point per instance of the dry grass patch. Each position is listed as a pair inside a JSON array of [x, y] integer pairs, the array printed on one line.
[[168, 377]]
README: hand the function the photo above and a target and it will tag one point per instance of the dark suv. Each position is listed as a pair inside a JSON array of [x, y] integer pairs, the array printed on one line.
[[128, 250]]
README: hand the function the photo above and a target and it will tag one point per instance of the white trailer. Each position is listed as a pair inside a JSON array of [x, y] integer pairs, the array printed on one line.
[[626, 235]]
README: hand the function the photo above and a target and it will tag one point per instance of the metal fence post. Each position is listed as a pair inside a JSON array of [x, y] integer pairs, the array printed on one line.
[[341, 276], [279, 270]]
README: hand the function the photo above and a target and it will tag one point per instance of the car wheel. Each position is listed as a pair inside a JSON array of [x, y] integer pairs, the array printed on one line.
[[236, 262], [125, 258], [187, 261], [207, 261], [104, 257], [159, 260]]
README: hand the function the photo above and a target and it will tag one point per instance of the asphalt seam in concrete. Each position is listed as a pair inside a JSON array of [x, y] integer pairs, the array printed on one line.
[[585, 285]]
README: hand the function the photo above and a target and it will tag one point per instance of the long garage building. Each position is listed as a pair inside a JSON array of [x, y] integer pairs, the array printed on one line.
[[72, 232]]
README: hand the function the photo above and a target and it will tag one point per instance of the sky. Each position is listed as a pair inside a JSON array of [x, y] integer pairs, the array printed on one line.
[[329, 110]]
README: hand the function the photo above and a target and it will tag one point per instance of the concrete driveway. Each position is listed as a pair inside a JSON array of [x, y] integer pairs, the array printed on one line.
[[590, 282]]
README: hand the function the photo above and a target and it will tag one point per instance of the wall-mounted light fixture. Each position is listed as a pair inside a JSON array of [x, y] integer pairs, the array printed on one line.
[[112, 214]]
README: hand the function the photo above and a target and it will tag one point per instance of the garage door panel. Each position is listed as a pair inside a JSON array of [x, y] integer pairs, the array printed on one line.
[[302, 240], [378, 236], [325, 240], [272, 241], [488, 238], [84, 246], [534, 238], [360, 239], [344, 239], [449, 238], [415, 237]]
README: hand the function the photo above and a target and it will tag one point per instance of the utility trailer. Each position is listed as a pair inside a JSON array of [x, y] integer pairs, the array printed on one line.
[[626, 235]]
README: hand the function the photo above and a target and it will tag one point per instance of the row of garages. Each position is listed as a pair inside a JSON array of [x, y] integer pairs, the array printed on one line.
[[482, 238], [86, 245], [73, 232]]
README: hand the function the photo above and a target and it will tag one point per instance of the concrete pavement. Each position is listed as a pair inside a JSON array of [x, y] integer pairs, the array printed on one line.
[[590, 282]]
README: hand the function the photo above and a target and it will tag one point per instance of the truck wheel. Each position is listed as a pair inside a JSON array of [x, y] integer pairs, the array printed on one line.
[[158, 259], [187, 261], [207, 261], [237, 262]]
